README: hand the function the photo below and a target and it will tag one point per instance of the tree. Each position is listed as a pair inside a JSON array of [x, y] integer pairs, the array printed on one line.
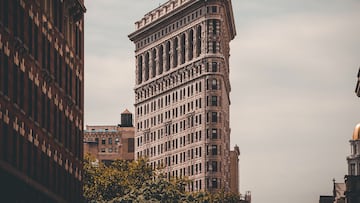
[[136, 182]]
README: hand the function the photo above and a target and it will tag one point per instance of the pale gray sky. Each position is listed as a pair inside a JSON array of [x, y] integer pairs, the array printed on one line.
[[293, 73]]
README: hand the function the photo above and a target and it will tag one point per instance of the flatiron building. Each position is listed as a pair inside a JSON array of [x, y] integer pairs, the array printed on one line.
[[182, 90]]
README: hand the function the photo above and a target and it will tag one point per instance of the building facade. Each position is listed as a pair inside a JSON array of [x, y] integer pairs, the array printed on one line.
[[41, 100], [109, 143], [234, 170], [182, 90], [352, 180]]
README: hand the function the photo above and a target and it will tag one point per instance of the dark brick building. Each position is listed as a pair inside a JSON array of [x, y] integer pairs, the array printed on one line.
[[41, 100]]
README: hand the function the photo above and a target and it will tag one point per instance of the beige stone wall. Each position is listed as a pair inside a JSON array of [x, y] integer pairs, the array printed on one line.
[[182, 91]]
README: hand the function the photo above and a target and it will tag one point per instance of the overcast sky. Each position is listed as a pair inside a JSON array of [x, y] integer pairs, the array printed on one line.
[[293, 70]]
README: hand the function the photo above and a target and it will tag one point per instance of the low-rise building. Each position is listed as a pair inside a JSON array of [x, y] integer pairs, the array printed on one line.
[[111, 142], [234, 170]]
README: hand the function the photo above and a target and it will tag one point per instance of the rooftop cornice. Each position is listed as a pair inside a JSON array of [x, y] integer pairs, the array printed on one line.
[[162, 10], [173, 7], [159, 15]]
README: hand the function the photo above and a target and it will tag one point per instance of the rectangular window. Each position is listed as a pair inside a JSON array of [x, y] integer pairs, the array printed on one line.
[[110, 140], [214, 9], [214, 67], [22, 92], [15, 84], [214, 100], [214, 166], [117, 140], [214, 133], [214, 117], [36, 99], [103, 141], [214, 150], [5, 12], [6, 76], [214, 84], [214, 183]]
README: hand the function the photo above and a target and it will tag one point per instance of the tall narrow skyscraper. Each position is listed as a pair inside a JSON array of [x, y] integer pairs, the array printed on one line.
[[41, 100], [182, 90]]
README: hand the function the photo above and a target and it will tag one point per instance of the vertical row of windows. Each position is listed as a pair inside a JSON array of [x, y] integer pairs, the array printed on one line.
[[4, 13]]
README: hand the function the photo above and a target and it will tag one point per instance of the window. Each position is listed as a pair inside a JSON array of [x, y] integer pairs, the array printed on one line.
[[214, 166], [214, 150], [97, 140], [103, 150], [214, 67], [214, 117], [214, 9], [117, 140], [354, 149], [352, 169], [103, 141], [214, 100], [110, 140], [110, 150], [214, 84], [214, 134], [214, 183]]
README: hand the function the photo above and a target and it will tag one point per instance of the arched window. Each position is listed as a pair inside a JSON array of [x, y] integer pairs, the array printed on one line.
[[183, 48], [191, 44], [175, 52], [140, 69], [198, 41], [146, 66], [167, 55], [161, 52], [153, 65]]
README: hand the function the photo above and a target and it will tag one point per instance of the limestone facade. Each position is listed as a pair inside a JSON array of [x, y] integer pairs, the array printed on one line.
[[182, 90]]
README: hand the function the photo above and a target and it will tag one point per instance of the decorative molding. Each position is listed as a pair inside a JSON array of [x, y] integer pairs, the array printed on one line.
[[55, 156], [30, 137], [49, 151], [36, 140], [22, 65], [43, 147], [7, 49], [6, 117], [31, 75], [16, 125], [31, 14], [22, 129]]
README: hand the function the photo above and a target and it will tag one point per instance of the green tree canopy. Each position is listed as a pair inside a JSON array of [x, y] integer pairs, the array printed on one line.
[[136, 182]]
